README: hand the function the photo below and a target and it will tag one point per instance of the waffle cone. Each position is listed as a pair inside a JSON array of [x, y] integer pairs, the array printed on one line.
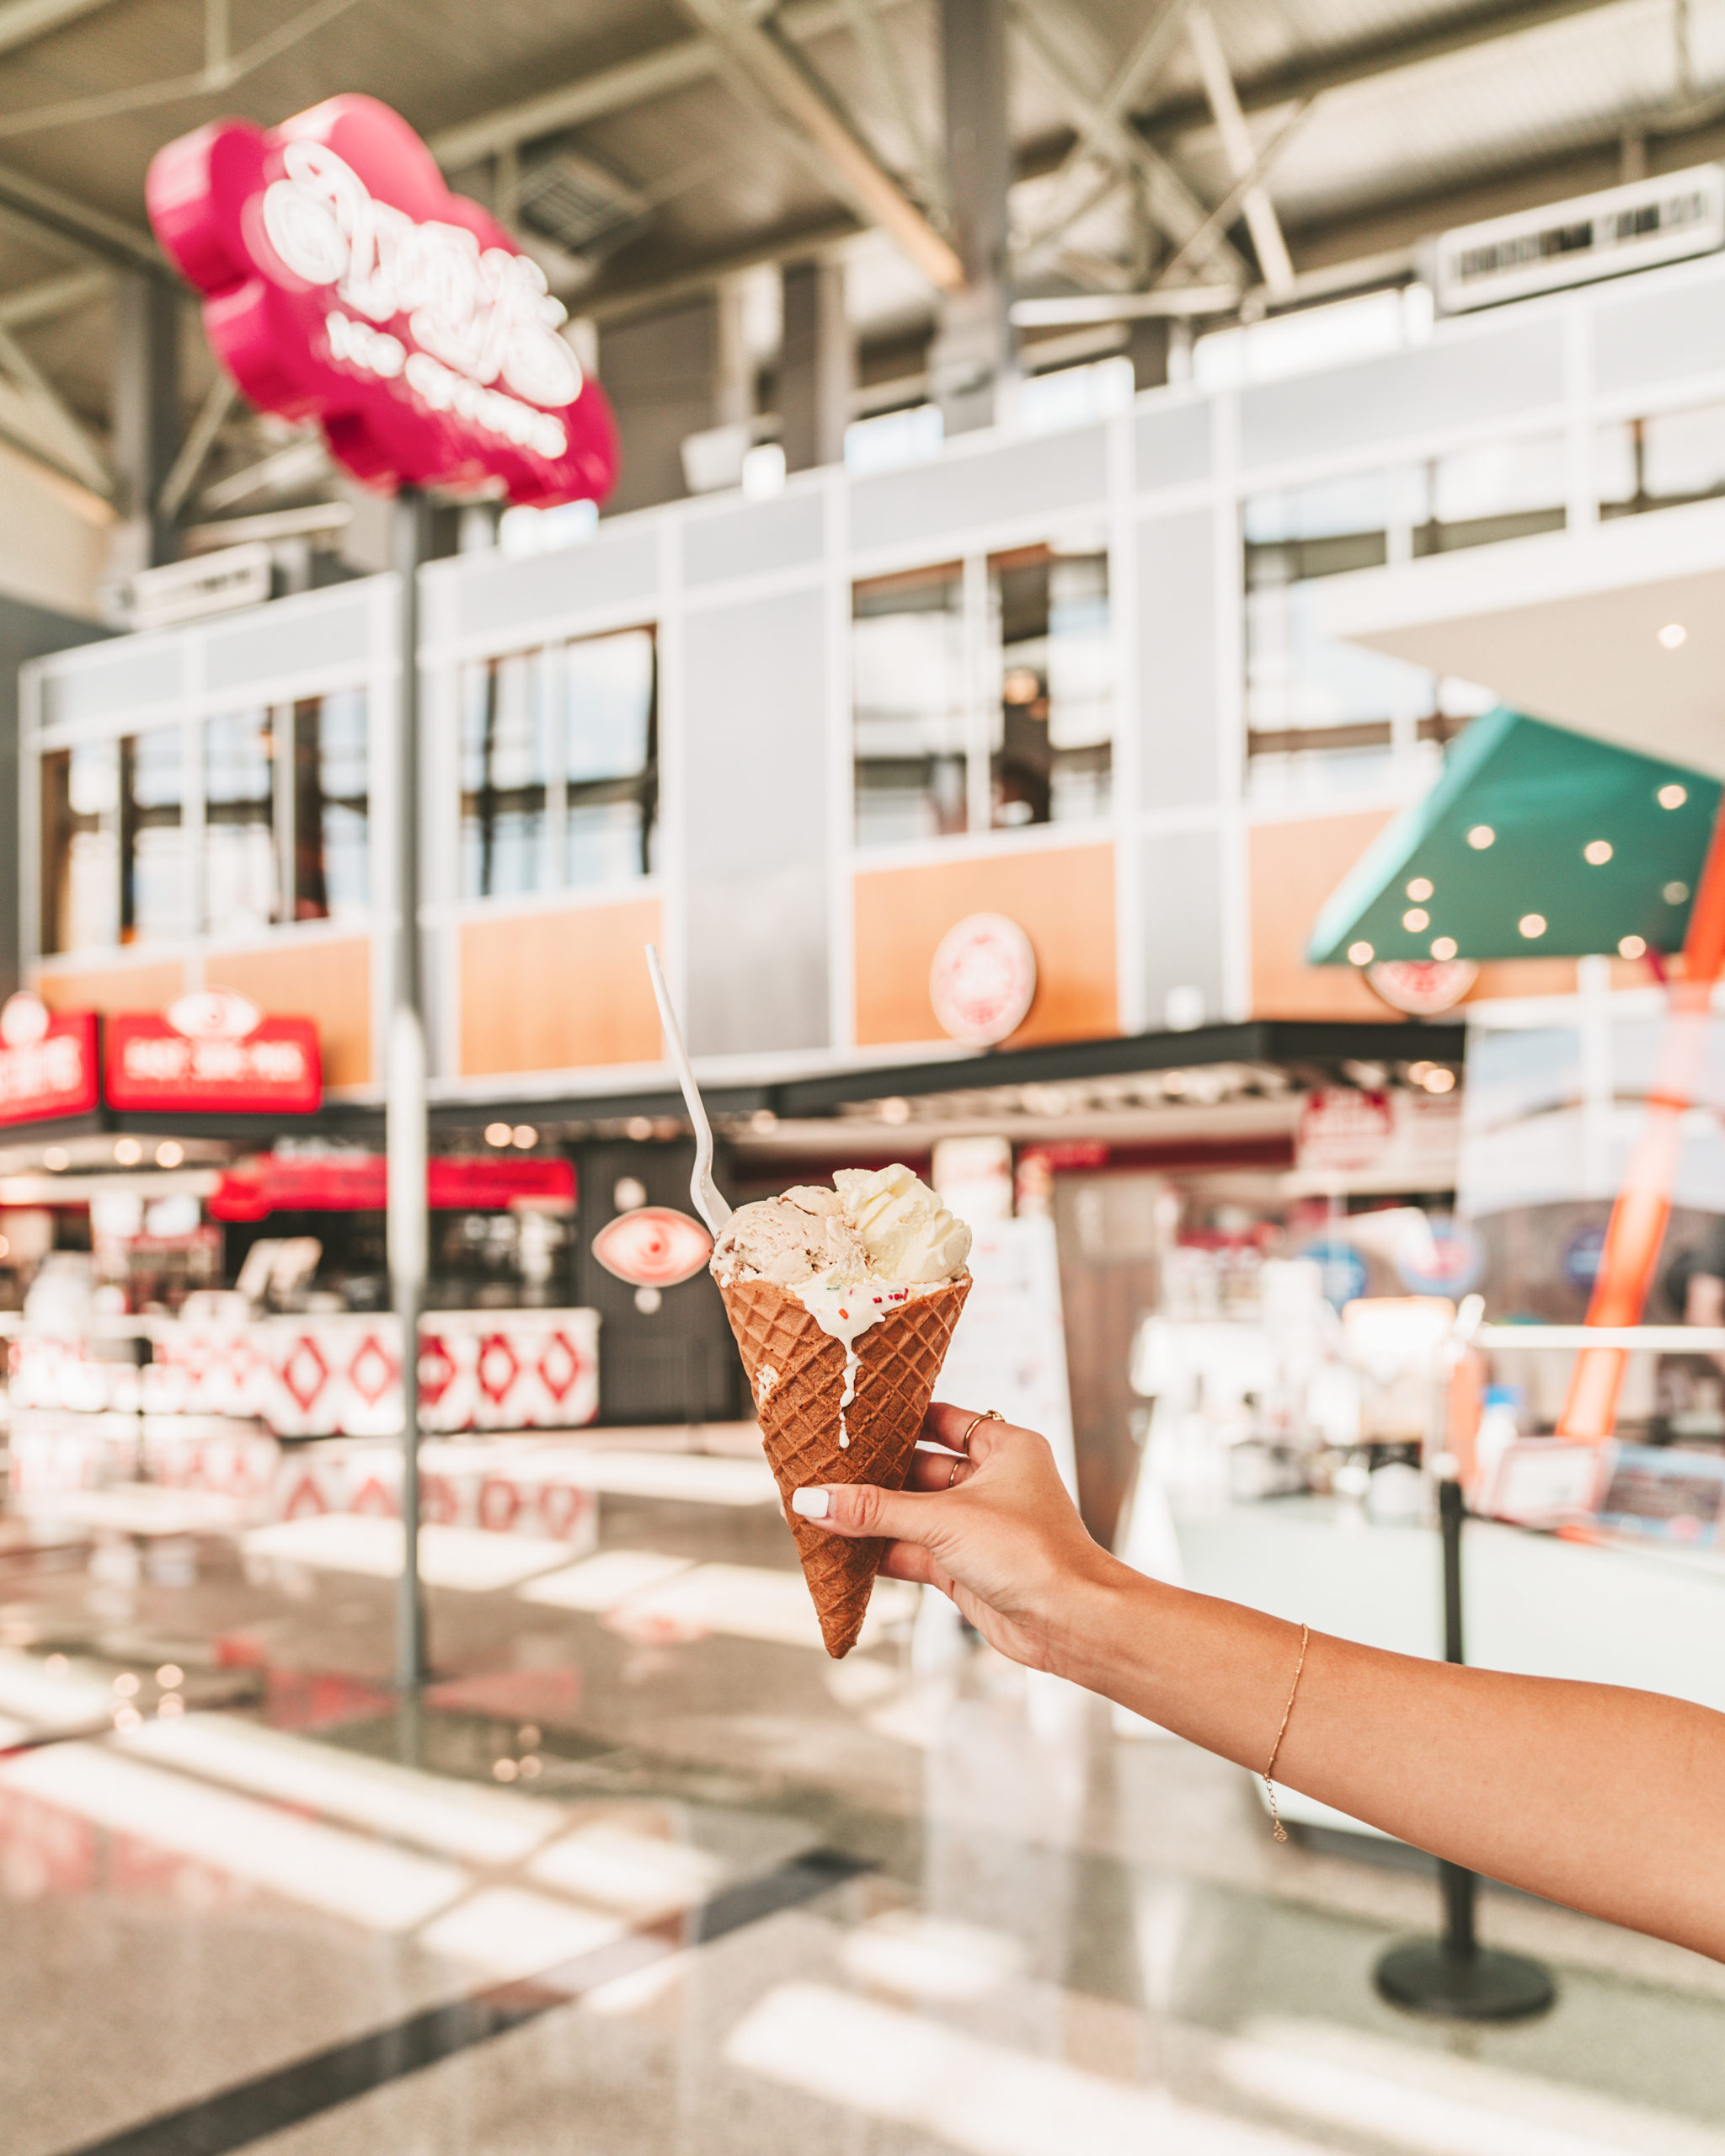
[[900, 1358]]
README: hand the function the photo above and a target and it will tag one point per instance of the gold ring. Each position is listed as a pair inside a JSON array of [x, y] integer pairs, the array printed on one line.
[[953, 1476], [988, 1415]]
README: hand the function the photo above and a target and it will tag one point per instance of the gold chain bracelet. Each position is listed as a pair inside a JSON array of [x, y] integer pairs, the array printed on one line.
[[1276, 1748]]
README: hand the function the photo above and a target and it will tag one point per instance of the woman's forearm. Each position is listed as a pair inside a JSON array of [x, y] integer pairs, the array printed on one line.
[[1610, 1801]]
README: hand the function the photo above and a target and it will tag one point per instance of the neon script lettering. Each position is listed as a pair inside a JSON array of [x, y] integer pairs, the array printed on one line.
[[483, 314], [344, 283]]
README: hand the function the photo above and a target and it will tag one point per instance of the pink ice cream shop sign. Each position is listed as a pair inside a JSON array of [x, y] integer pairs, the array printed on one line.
[[343, 282]]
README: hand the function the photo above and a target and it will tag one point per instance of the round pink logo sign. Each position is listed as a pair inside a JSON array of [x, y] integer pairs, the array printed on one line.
[[983, 980], [653, 1247], [1422, 987]]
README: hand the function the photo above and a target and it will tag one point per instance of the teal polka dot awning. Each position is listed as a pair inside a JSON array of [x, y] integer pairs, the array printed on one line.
[[1536, 843]]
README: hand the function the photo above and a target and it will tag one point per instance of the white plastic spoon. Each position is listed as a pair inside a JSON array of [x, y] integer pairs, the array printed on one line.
[[703, 1188]]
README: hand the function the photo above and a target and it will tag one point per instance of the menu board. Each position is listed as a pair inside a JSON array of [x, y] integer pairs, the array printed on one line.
[[1009, 1350]]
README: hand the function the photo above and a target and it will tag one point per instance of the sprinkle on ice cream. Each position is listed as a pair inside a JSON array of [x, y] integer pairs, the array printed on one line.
[[879, 1237]]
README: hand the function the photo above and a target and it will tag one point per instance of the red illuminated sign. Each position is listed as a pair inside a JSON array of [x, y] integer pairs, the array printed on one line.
[[358, 1183], [344, 283], [212, 1052], [48, 1061]]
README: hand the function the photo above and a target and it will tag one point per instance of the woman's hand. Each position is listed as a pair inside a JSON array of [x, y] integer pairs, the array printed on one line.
[[988, 1522]]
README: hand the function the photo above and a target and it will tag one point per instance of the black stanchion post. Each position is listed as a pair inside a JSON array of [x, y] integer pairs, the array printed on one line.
[[1454, 1974]]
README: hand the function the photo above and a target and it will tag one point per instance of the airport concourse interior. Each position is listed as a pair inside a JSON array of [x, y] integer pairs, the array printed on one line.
[[862, 1072]]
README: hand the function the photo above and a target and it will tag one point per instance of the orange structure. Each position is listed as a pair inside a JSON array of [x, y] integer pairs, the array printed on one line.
[[1642, 1209]]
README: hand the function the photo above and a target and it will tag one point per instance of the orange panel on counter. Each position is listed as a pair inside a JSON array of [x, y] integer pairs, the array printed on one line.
[[330, 983], [1064, 900], [557, 991], [1295, 865], [112, 988]]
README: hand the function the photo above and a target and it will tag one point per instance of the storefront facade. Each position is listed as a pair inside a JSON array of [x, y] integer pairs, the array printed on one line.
[[1071, 677]]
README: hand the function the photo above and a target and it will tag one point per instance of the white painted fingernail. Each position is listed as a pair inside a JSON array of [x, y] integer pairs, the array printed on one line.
[[810, 1504]]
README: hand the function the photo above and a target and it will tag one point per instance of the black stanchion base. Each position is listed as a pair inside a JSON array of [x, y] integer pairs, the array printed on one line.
[[1483, 1986]]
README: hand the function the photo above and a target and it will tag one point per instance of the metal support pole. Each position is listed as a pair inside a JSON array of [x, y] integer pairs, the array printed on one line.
[[971, 363], [1453, 1975], [146, 307], [405, 1114]]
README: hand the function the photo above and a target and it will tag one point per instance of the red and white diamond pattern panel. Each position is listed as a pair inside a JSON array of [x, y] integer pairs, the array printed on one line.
[[522, 1485], [338, 1375], [335, 1375]]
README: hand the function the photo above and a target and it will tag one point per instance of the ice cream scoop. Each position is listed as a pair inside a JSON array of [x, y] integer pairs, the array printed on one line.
[[803, 1236], [908, 1234]]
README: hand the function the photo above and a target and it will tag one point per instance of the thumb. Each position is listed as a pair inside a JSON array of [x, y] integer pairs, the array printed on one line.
[[863, 1509]]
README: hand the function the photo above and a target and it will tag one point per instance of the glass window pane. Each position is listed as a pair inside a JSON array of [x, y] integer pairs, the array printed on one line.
[[605, 842], [81, 847], [1051, 744], [907, 657], [242, 880], [608, 685], [156, 887], [331, 807], [1356, 508], [1653, 463], [505, 778], [612, 750], [1499, 490]]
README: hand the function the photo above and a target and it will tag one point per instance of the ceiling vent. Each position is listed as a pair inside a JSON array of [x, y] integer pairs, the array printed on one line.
[[584, 209], [1605, 235]]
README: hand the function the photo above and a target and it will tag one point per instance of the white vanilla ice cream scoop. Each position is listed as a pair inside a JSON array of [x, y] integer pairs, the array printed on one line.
[[908, 1234]]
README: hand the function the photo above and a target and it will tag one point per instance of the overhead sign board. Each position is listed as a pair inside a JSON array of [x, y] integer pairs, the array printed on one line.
[[343, 283], [212, 1052], [48, 1061]]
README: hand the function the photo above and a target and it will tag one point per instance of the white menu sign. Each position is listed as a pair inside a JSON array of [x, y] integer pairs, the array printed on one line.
[[1009, 1350]]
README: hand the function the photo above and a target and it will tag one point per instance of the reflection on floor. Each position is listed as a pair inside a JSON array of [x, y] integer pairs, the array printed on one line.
[[643, 1873]]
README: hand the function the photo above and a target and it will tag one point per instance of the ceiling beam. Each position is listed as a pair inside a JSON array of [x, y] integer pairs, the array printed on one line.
[[1244, 162], [1314, 74], [199, 440], [52, 296], [775, 67], [1173, 203], [39, 417], [656, 74], [666, 283], [78, 227], [23, 21]]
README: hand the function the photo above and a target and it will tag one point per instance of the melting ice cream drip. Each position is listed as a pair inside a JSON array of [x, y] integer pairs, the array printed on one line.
[[766, 1377], [845, 1311], [848, 1255]]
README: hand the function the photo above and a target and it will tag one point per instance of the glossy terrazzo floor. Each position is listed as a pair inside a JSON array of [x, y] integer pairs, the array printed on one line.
[[643, 1873]]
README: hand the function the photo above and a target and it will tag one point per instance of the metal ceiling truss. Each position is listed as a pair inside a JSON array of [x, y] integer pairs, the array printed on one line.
[[659, 74], [1366, 59], [53, 296], [219, 401], [1244, 162], [33, 417], [776, 68], [1172, 203]]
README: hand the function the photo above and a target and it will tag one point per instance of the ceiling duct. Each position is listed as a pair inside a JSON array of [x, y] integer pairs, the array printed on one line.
[[1663, 219], [586, 211]]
